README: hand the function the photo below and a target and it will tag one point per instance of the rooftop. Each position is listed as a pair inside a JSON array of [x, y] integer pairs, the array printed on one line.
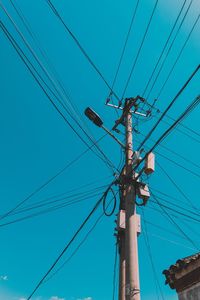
[[183, 271]]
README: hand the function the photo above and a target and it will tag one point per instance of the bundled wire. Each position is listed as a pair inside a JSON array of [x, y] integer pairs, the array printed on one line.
[[171, 46], [55, 11], [174, 223], [79, 245], [178, 57], [169, 106], [108, 214], [139, 50], [70, 242], [164, 48], [59, 93]]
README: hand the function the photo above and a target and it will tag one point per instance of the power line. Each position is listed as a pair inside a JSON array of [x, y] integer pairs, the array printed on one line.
[[69, 243], [178, 206], [178, 165], [75, 160], [174, 223], [175, 162], [139, 50], [46, 202], [181, 131], [108, 162], [79, 245], [175, 213], [48, 210], [188, 110], [184, 126], [55, 11], [146, 238], [170, 47], [66, 97], [76, 249], [173, 242], [167, 195], [178, 57], [178, 188], [28, 64], [164, 48], [164, 229], [177, 154], [170, 105], [125, 44]]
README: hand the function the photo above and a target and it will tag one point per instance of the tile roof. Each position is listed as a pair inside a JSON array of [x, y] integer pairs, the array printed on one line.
[[177, 267]]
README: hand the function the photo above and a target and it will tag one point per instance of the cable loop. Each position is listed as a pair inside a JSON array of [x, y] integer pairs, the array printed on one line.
[[106, 206]]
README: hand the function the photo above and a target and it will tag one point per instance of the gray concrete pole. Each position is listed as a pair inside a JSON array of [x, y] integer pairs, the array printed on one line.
[[131, 246], [122, 266]]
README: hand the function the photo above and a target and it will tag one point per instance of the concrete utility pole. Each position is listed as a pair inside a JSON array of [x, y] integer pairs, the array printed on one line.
[[128, 222], [131, 246]]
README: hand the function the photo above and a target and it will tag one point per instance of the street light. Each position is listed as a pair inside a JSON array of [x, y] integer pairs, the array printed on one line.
[[94, 117]]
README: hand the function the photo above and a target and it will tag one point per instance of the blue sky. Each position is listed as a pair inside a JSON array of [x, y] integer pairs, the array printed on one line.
[[36, 143]]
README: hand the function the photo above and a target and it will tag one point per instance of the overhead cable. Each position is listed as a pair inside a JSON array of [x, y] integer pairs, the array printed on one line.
[[178, 57], [170, 47], [69, 243], [107, 161], [125, 44], [55, 11], [164, 48], [174, 223], [139, 50], [170, 105]]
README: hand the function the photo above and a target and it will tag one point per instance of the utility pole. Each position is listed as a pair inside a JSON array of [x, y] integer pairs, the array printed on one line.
[[128, 222], [131, 246]]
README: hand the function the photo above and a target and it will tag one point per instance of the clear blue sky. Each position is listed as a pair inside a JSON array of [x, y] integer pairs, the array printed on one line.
[[36, 143]]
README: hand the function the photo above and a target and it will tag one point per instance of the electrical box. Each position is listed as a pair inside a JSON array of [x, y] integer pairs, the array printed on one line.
[[143, 192], [150, 163], [121, 220]]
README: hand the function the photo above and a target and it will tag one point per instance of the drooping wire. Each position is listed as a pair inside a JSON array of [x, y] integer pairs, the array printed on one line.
[[66, 199], [164, 48], [169, 50], [108, 214], [174, 223], [178, 164], [139, 50], [188, 211], [148, 246], [66, 97], [79, 245], [75, 251], [108, 162], [178, 57], [182, 131], [55, 11], [177, 187], [69, 243], [125, 44], [169, 106], [48, 210], [175, 153], [184, 126], [175, 162], [38, 189], [174, 212], [187, 111]]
